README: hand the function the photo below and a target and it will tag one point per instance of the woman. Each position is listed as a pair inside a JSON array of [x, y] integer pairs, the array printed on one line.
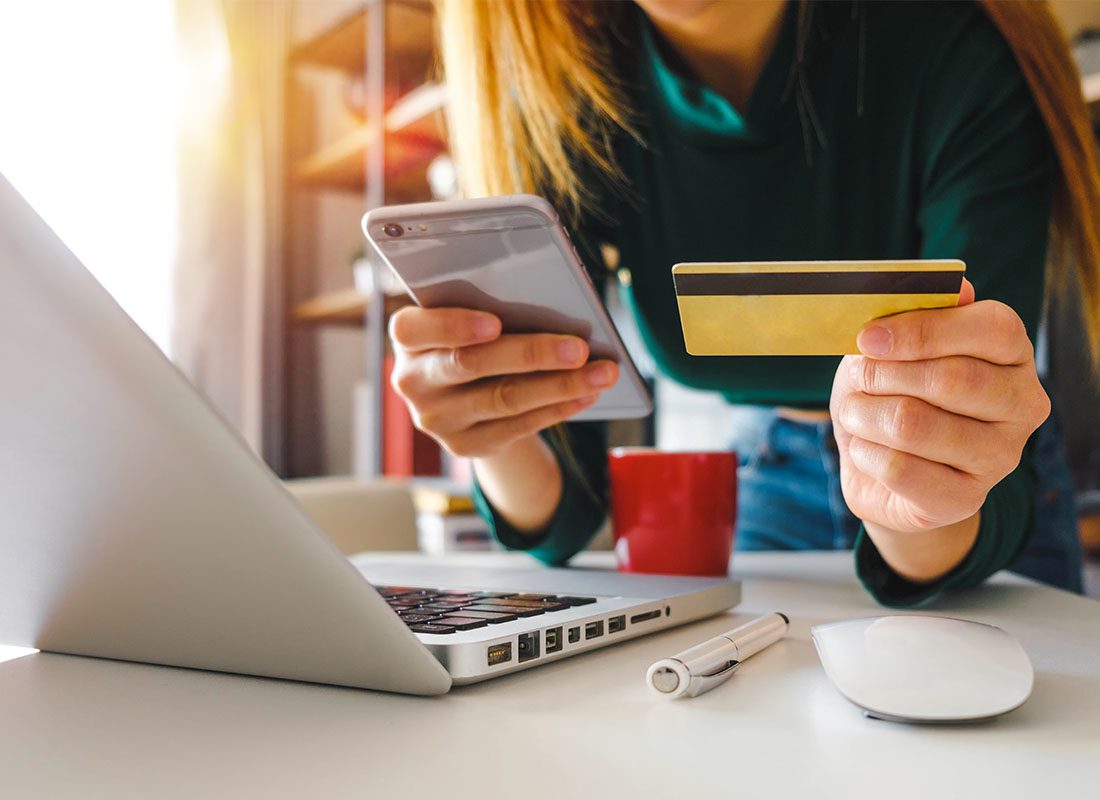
[[688, 130]]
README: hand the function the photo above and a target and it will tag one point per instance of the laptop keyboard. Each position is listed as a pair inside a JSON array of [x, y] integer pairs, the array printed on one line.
[[442, 611]]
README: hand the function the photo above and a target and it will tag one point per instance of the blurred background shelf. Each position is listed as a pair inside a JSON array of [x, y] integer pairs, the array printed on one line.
[[414, 136], [364, 127], [344, 307], [342, 164], [342, 46]]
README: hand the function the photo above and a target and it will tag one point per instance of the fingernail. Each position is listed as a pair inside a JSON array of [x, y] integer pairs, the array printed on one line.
[[876, 341], [570, 351], [486, 326], [601, 375]]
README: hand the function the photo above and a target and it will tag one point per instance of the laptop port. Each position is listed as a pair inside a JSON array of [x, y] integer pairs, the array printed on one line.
[[645, 615], [593, 630], [528, 646], [616, 624], [554, 642], [574, 635], [499, 653]]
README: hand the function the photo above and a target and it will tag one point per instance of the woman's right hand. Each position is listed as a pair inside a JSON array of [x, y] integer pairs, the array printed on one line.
[[476, 391]]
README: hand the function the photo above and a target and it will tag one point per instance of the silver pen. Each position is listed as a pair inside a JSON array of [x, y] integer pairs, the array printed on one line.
[[704, 666]]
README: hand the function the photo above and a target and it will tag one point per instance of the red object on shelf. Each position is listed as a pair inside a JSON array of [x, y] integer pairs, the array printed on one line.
[[405, 450]]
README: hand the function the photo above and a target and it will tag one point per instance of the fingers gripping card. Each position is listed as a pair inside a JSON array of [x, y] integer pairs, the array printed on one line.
[[805, 308]]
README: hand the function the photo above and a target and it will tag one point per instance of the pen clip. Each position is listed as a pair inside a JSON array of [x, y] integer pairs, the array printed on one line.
[[704, 683]]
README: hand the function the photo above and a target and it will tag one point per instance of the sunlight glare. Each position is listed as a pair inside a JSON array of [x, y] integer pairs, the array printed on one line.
[[88, 137]]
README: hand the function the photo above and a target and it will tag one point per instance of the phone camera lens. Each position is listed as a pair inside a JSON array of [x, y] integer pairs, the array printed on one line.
[[393, 230]]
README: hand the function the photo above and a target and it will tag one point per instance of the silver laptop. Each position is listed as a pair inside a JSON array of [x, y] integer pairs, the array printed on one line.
[[134, 524]]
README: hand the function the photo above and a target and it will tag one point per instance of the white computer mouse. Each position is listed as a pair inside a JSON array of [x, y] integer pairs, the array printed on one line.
[[913, 668]]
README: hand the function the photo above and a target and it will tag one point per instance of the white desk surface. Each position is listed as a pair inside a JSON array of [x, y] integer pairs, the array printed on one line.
[[584, 727]]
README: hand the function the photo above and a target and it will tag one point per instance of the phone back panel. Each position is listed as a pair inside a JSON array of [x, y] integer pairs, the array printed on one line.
[[507, 256]]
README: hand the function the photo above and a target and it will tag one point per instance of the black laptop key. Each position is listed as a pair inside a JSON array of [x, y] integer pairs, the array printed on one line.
[[490, 601], [394, 591], [542, 597], [411, 619], [575, 601], [549, 606], [484, 595], [508, 601], [412, 594], [423, 627], [536, 604], [462, 623], [519, 611], [492, 617]]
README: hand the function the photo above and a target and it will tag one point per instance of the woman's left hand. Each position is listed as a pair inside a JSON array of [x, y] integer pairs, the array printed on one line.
[[933, 415]]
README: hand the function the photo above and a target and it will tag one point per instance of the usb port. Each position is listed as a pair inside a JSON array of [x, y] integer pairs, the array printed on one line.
[[574, 635], [645, 615], [499, 653], [616, 624], [554, 642], [593, 630], [528, 646]]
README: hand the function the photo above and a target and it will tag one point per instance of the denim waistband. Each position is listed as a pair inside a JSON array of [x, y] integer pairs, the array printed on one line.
[[756, 428], [790, 495]]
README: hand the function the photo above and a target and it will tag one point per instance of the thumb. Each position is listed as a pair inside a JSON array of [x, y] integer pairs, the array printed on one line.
[[966, 293]]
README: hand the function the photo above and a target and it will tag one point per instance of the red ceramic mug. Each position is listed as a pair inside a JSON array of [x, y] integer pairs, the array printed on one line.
[[673, 513]]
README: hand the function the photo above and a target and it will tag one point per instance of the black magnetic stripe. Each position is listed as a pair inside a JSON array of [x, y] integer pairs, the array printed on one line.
[[714, 283]]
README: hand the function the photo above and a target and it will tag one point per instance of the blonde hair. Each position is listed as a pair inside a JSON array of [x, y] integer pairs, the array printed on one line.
[[539, 95], [538, 100]]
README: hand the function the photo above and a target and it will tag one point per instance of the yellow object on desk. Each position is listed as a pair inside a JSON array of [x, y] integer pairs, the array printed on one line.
[[433, 500]]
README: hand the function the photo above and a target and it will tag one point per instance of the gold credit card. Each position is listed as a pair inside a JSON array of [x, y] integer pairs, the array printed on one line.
[[802, 308]]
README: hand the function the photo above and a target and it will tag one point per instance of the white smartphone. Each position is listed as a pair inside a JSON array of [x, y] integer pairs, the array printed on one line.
[[509, 256]]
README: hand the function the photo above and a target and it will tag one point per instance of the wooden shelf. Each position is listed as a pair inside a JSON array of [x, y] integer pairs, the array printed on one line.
[[413, 138], [420, 112], [342, 165], [345, 307], [409, 40], [410, 136]]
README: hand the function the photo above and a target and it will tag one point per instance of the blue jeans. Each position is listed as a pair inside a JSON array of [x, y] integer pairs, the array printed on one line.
[[789, 496]]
